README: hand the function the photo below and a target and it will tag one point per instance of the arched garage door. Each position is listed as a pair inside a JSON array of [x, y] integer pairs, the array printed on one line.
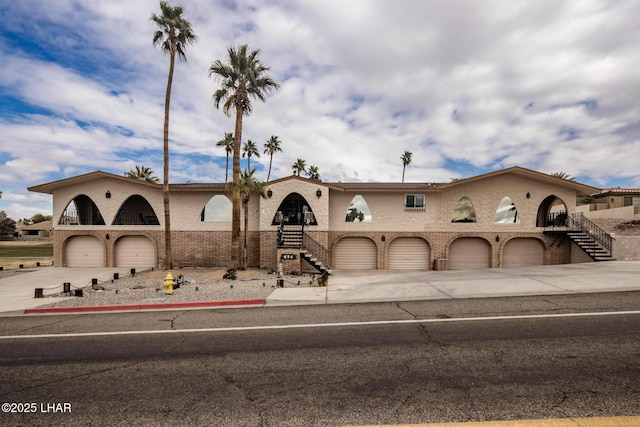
[[469, 253], [84, 251], [408, 253], [135, 251], [355, 253], [523, 252]]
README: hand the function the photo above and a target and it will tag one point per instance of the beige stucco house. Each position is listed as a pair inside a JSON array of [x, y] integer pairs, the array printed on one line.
[[510, 217]]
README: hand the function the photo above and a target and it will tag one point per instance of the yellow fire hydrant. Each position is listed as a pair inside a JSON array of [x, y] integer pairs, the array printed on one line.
[[168, 284]]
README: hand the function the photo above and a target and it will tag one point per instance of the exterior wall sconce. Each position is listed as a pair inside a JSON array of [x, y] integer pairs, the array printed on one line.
[[383, 238], [107, 194], [497, 238], [269, 193], [528, 195], [318, 193]]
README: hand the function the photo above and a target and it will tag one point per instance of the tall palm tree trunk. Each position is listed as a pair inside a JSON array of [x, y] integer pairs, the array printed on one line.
[[403, 168], [270, 161], [168, 262], [245, 249], [226, 170], [235, 194]]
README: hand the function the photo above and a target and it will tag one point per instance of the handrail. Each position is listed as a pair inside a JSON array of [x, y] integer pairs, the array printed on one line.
[[578, 221], [316, 249]]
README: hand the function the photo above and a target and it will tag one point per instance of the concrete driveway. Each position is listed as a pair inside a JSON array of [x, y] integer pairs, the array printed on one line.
[[350, 286]]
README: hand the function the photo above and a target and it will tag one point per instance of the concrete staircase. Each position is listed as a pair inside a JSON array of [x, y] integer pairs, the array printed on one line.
[[293, 236]]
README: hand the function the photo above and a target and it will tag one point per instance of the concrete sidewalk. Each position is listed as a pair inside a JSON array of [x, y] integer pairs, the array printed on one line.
[[349, 286]]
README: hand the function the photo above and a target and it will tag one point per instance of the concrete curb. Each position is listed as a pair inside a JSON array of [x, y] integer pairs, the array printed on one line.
[[140, 307]]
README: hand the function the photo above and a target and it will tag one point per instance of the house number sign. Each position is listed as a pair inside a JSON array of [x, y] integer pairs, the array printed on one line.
[[287, 257]]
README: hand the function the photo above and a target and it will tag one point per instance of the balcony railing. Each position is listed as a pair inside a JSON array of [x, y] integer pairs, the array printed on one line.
[[136, 217]]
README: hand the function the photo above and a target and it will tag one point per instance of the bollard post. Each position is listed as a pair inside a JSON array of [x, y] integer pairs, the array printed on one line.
[[38, 293], [133, 271], [66, 287], [116, 276], [78, 292], [38, 264], [94, 282], [281, 283]]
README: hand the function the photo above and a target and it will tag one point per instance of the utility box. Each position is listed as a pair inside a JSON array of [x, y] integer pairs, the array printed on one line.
[[440, 264]]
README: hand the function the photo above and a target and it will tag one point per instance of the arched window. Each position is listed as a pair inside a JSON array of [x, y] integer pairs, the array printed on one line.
[[136, 210], [81, 211], [464, 211], [217, 209], [507, 213], [358, 210]]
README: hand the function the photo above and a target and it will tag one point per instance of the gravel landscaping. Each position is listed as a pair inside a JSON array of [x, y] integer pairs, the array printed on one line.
[[199, 285]]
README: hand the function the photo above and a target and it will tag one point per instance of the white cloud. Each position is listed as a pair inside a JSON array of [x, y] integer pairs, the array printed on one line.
[[460, 83]]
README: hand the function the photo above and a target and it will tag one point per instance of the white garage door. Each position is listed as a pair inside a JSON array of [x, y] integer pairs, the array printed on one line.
[[135, 251], [355, 253], [408, 253], [523, 252], [84, 251], [469, 253]]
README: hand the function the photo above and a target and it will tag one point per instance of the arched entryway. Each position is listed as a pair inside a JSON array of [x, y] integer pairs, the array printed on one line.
[[552, 212], [81, 211], [294, 210], [136, 210]]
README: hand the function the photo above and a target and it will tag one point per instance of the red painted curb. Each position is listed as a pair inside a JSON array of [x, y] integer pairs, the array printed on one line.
[[133, 307]]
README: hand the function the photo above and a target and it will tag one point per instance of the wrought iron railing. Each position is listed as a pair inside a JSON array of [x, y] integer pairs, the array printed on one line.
[[579, 222], [316, 249], [75, 217], [136, 217]]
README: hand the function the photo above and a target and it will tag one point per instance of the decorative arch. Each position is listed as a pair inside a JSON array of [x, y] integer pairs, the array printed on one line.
[[136, 210], [81, 210], [552, 212], [217, 209], [506, 213], [358, 210], [464, 211], [294, 210]]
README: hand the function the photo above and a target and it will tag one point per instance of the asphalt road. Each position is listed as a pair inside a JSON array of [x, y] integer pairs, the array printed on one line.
[[391, 363]]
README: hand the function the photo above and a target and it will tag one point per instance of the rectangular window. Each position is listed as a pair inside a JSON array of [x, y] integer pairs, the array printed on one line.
[[414, 202]]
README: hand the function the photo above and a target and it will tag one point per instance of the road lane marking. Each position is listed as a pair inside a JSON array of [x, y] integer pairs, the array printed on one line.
[[632, 421], [325, 325]]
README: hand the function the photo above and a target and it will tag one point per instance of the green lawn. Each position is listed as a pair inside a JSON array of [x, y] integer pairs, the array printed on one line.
[[12, 250]]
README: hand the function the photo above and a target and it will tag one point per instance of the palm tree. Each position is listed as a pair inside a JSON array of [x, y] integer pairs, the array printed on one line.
[[248, 186], [406, 160], [563, 175], [271, 147], [227, 143], [250, 149], [173, 36], [242, 76], [299, 166], [313, 173], [142, 173]]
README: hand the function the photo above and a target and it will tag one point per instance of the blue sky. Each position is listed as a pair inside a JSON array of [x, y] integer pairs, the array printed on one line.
[[469, 87]]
